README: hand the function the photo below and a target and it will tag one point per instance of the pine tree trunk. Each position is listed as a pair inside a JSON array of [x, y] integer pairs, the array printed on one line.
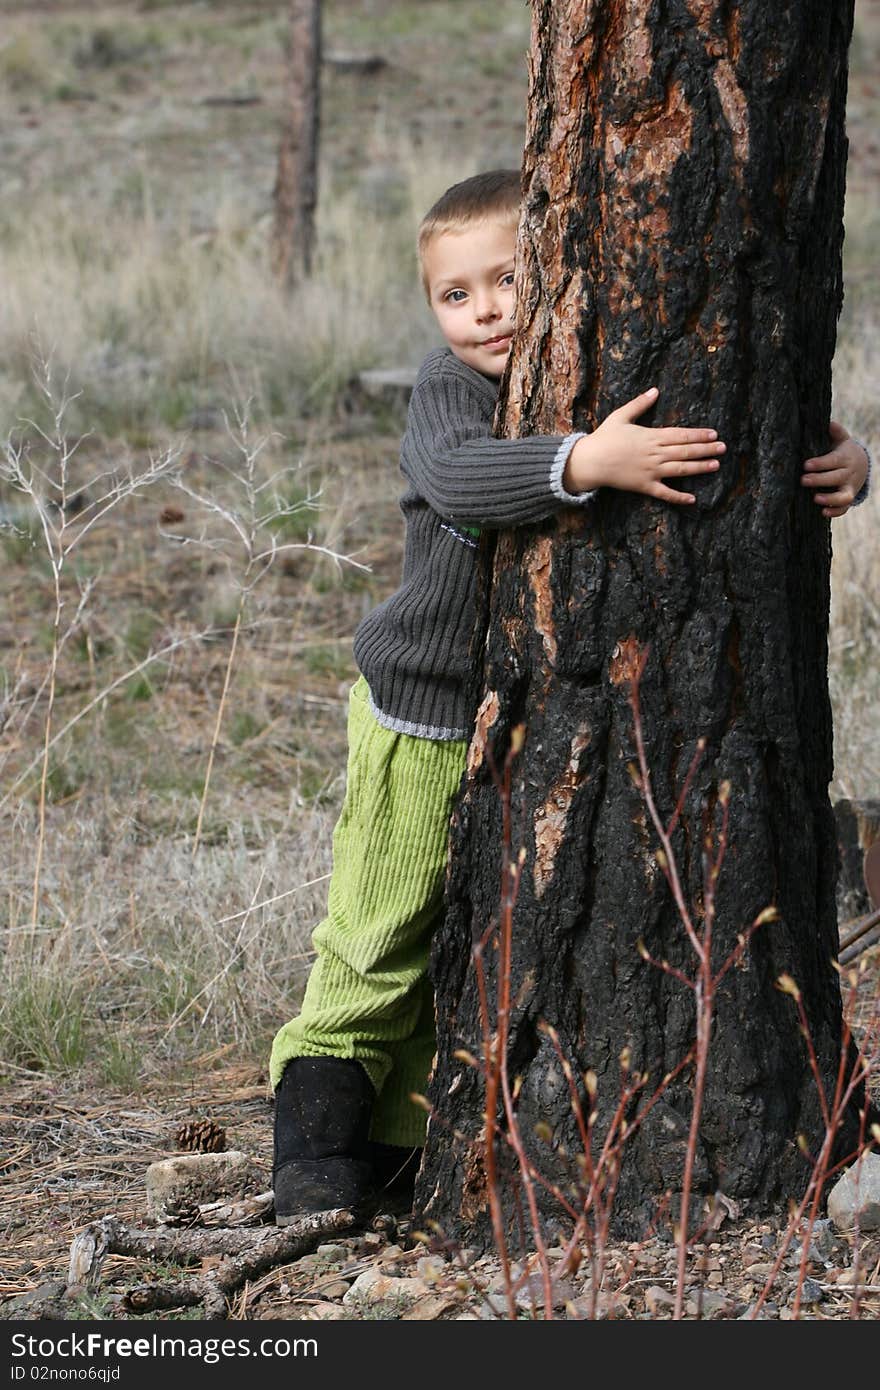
[[684, 177], [296, 185]]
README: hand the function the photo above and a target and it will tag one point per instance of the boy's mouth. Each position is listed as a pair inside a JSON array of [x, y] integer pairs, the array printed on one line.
[[503, 338]]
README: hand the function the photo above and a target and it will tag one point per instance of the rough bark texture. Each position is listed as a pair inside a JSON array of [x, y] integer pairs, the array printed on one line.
[[858, 828], [684, 181], [296, 184]]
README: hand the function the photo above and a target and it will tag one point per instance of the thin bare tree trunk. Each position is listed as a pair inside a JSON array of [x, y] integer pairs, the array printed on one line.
[[684, 177], [296, 185]]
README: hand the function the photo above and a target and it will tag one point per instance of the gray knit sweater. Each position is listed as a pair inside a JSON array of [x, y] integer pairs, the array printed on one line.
[[414, 648]]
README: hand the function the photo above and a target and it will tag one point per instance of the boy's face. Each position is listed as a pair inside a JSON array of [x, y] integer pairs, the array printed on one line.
[[469, 275]]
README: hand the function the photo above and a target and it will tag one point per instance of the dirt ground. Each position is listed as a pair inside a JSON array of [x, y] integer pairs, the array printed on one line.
[[75, 1157]]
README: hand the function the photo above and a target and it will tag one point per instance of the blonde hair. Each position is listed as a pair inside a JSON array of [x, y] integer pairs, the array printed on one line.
[[494, 194]]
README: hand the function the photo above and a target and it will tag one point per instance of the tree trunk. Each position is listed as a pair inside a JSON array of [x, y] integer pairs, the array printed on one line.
[[296, 184], [682, 227]]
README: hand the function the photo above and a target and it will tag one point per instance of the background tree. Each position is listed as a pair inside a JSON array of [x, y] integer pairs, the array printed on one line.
[[682, 227], [296, 184]]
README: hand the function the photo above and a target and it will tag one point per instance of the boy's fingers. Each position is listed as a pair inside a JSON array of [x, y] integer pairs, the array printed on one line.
[[686, 468], [637, 406], [823, 462], [699, 451], [671, 436], [825, 479], [669, 494]]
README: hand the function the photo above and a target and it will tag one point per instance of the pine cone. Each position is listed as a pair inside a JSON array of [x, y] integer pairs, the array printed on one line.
[[201, 1136]]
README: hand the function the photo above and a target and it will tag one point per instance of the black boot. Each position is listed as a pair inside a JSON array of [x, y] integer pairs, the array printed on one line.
[[323, 1107]]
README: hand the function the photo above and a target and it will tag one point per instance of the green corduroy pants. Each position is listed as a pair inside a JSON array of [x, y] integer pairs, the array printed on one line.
[[368, 995]]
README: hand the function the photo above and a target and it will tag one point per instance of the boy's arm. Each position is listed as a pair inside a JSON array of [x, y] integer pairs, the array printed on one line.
[[472, 478], [468, 476]]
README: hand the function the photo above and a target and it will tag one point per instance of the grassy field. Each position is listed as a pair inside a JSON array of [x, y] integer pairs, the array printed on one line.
[[185, 658]]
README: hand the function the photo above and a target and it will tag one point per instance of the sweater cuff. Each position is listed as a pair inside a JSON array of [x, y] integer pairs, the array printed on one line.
[[862, 494], [558, 468]]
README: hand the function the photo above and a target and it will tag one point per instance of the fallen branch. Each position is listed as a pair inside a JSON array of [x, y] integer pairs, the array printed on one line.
[[243, 1254], [864, 936], [857, 926]]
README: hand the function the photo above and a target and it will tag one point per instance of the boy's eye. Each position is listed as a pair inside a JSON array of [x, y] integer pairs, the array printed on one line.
[[507, 279], [455, 296]]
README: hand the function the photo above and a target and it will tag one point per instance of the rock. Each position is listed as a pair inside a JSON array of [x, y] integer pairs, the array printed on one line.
[[326, 1312], [720, 1304], [427, 1309], [495, 1305], [390, 1255], [177, 1187], [373, 1287], [331, 1253], [430, 1268], [811, 1293], [609, 1307], [338, 1289], [768, 1311], [37, 1302], [579, 1309], [822, 1242], [857, 1191], [713, 1304], [531, 1294], [658, 1300], [647, 1261]]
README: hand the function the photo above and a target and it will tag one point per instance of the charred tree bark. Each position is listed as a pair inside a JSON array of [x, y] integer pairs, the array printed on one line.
[[682, 227], [296, 184]]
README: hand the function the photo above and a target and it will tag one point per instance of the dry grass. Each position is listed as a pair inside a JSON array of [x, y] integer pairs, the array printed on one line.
[[202, 780], [855, 575]]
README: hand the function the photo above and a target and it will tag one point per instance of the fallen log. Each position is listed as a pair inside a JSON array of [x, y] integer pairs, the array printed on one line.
[[242, 1255]]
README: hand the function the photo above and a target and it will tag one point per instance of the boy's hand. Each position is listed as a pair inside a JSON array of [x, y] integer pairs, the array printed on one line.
[[636, 458], [839, 474]]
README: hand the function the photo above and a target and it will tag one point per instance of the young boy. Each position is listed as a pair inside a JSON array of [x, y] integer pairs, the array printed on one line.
[[364, 1040]]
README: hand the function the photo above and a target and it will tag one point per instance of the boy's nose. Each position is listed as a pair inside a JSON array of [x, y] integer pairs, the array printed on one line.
[[487, 309]]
